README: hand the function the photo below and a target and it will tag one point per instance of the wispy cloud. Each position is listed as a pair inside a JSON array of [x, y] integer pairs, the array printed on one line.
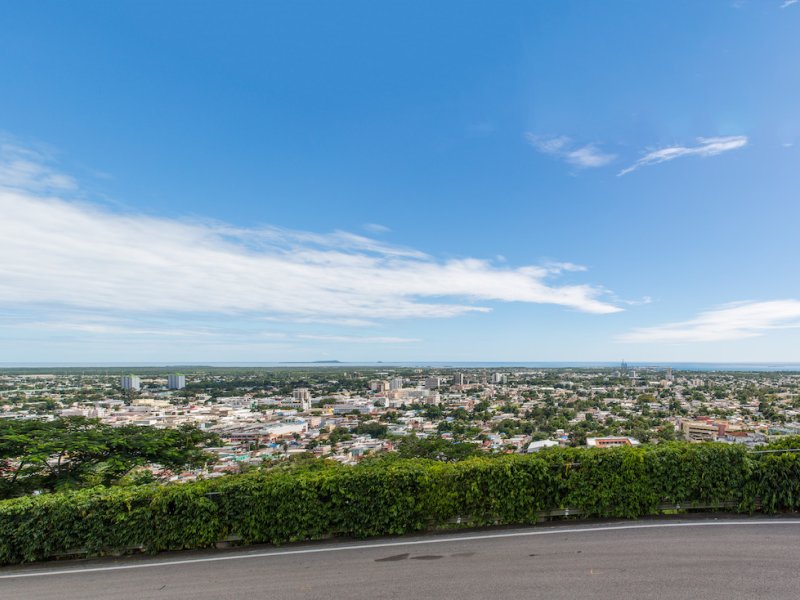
[[640, 302], [82, 323], [787, 3], [100, 325], [559, 267], [376, 228], [354, 339], [109, 329], [59, 253], [729, 322], [588, 155], [705, 147], [29, 169], [341, 321]]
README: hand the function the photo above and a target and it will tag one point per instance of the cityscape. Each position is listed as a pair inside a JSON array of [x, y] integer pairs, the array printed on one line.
[[374, 300], [263, 416]]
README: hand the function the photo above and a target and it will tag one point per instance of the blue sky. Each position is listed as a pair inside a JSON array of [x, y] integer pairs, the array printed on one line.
[[261, 181]]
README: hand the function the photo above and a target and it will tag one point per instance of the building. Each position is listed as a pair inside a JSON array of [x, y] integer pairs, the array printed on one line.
[[433, 383], [346, 408], [433, 398], [176, 381], [700, 431], [540, 445], [458, 379], [498, 378], [130, 382], [396, 384], [261, 433], [611, 442], [378, 386], [748, 438], [302, 396]]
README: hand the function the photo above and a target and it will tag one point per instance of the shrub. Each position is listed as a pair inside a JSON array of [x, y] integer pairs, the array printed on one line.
[[318, 499]]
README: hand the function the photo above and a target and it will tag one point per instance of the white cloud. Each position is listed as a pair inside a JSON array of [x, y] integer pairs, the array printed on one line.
[[554, 145], [376, 228], [56, 253], [352, 339], [562, 147], [344, 322], [789, 3], [264, 238], [729, 322], [640, 302], [589, 156], [28, 169], [98, 325], [95, 328], [558, 267], [706, 147]]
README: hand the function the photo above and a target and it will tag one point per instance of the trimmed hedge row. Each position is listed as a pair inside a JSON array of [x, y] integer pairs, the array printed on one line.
[[395, 497]]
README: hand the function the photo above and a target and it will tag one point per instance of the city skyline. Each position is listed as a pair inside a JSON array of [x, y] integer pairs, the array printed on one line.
[[563, 182]]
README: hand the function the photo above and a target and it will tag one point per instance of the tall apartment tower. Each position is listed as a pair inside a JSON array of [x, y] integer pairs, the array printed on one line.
[[396, 384], [130, 382], [433, 383], [176, 381], [458, 379]]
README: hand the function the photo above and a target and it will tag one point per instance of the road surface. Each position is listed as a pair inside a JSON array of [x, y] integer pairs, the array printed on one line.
[[714, 558]]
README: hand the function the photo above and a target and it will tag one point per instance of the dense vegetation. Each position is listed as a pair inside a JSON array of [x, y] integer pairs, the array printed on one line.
[[77, 452], [312, 499]]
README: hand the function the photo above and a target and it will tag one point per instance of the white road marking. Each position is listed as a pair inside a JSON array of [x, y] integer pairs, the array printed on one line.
[[399, 543]]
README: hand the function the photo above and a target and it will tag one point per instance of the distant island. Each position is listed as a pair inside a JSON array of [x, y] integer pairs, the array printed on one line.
[[312, 362]]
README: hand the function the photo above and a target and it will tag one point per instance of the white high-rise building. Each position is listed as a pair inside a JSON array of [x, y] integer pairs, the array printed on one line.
[[396, 384], [498, 378], [458, 379], [176, 381], [130, 382]]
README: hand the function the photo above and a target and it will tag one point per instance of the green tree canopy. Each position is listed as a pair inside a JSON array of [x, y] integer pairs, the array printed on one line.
[[76, 452], [436, 449]]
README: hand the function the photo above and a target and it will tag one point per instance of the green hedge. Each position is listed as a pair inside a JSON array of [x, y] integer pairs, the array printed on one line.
[[395, 497]]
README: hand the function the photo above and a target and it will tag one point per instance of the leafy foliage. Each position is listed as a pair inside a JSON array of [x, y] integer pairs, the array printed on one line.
[[372, 428], [436, 448], [313, 499], [77, 452]]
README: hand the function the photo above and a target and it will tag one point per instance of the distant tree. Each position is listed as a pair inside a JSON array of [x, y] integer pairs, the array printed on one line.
[[340, 434], [372, 428], [301, 463], [436, 449], [665, 433]]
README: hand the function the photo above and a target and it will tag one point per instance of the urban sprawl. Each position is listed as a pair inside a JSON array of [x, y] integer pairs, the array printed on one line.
[[267, 415]]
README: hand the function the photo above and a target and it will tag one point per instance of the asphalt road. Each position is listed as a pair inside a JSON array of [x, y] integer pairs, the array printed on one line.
[[707, 559]]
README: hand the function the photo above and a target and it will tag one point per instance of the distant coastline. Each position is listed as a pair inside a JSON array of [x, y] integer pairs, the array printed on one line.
[[678, 366]]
